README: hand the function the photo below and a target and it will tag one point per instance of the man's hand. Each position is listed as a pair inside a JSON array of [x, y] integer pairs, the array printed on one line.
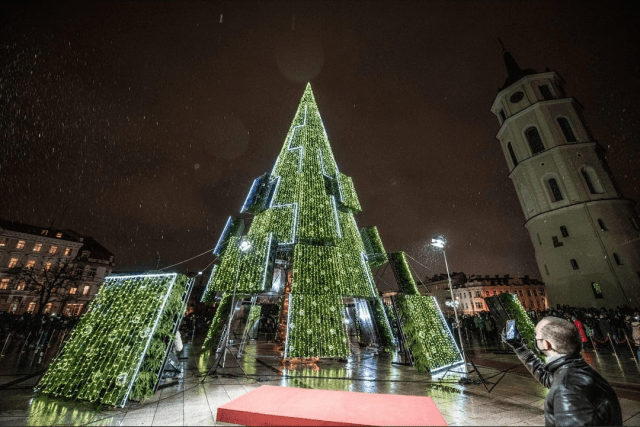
[[514, 343]]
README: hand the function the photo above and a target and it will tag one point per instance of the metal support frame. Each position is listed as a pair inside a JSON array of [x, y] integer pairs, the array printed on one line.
[[404, 351], [254, 298]]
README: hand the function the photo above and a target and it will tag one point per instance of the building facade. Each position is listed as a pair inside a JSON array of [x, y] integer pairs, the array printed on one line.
[[586, 235], [469, 293], [39, 248]]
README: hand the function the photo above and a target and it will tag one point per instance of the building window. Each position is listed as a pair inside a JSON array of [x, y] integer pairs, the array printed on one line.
[[85, 290], [566, 129], [21, 286], [545, 92], [479, 305], [47, 308], [58, 235], [564, 231], [597, 292], [4, 283], [31, 263], [592, 181], [514, 159], [535, 293], [574, 264], [92, 272], [556, 243], [478, 294], [44, 232], [47, 266], [535, 142], [20, 244], [13, 262], [3, 241], [37, 247], [53, 249], [555, 190], [617, 258], [67, 251], [601, 224], [495, 292], [528, 292], [539, 241], [73, 290], [502, 115], [546, 269], [32, 307], [487, 293], [541, 292], [634, 223], [520, 291]]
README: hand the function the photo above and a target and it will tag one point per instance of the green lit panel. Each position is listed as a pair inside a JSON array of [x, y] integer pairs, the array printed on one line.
[[217, 324], [350, 236], [255, 264], [317, 218], [402, 273], [315, 327], [348, 196], [329, 270], [118, 347], [428, 336], [376, 254], [279, 220], [525, 326], [382, 322]]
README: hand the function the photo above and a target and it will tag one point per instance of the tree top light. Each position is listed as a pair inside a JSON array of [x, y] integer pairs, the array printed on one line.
[[438, 242]]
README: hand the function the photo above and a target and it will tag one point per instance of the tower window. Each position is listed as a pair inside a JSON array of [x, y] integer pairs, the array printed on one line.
[[564, 231], [617, 259], [592, 181], [566, 129], [574, 264], [603, 227], [502, 115], [597, 292], [545, 92], [539, 241], [634, 223], [555, 190], [514, 159], [556, 242], [535, 142], [546, 269]]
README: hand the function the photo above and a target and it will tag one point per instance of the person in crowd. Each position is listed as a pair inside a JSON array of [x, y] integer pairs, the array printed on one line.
[[605, 326], [578, 394]]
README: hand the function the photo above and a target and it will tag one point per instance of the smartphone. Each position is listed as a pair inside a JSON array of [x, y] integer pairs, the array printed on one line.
[[511, 330]]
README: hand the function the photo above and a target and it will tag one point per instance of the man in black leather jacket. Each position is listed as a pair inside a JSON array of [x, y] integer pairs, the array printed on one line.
[[578, 395]]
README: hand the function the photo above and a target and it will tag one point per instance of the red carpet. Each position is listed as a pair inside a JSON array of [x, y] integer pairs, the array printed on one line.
[[288, 406]]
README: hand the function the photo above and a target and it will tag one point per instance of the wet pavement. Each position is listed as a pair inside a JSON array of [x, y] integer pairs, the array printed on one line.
[[510, 395]]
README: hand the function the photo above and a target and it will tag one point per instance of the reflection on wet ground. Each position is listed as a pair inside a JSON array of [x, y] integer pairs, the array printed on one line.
[[515, 397]]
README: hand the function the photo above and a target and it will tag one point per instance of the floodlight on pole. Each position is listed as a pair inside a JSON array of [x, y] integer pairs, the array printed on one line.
[[440, 242]]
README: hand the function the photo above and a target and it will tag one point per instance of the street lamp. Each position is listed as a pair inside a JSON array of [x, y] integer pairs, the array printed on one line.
[[440, 243]]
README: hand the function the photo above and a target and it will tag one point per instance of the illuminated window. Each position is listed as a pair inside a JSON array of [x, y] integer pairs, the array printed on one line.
[[32, 307], [566, 129], [20, 244], [47, 308], [67, 251], [47, 266], [21, 286], [564, 231], [574, 264], [53, 249], [479, 305], [58, 235], [3, 241], [37, 247], [31, 263], [44, 232], [85, 290], [4, 283], [13, 262], [597, 292], [555, 190], [535, 142], [72, 291]]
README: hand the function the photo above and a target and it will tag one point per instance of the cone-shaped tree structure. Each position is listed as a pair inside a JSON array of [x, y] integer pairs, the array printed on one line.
[[305, 207]]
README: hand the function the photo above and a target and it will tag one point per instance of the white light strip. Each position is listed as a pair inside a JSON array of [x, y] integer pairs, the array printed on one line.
[[301, 148], [266, 262], [140, 276], [275, 192], [153, 331], [224, 230], [335, 215], [324, 171], [213, 270], [366, 272], [286, 339], [294, 229], [246, 201]]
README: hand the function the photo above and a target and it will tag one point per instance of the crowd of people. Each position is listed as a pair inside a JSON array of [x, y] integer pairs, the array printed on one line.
[[597, 327]]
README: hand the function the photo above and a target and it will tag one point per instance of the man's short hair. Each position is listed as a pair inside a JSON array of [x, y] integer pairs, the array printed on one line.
[[562, 334]]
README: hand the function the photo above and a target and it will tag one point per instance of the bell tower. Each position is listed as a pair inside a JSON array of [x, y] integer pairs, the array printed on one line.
[[586, 235]]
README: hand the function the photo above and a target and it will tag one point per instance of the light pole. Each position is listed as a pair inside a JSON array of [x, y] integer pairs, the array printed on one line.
[[439, 242]]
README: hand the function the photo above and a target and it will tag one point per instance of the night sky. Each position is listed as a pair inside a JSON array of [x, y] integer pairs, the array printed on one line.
[[145, 123]]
